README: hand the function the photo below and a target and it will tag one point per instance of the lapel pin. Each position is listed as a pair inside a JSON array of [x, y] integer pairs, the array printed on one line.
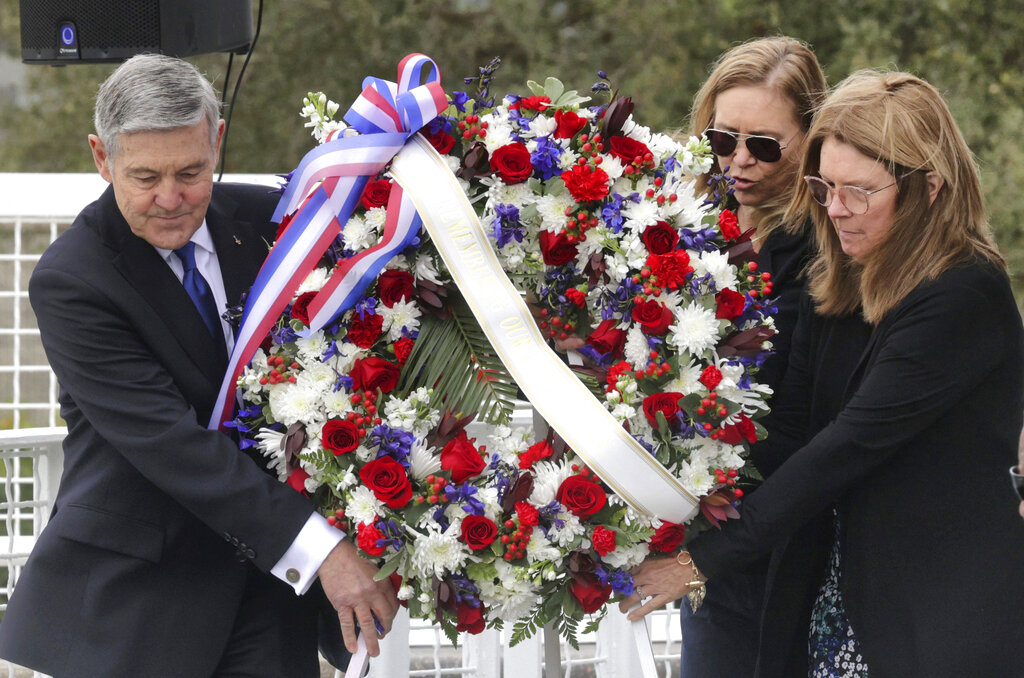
[[237, 241]]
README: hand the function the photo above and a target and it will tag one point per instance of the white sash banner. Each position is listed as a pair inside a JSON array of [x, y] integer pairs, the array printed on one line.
[[550, 386]]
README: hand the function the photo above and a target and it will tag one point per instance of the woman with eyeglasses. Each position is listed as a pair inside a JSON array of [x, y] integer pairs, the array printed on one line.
[[755, 108], [920, 573]]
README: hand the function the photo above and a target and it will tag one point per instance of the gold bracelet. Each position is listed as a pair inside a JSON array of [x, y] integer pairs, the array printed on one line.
[[699, 590]]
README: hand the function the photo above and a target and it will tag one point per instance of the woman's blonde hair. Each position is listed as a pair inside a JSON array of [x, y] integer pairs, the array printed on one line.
[[902, 122], [781, 63]]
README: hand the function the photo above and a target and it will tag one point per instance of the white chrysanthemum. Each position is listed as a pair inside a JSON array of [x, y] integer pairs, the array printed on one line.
[[270, 447], [345, 356], [511, 597], [626, 557], [513, 257], [314, 281], [594, 244], [358, 234], [696, 478], [689, 212], [631, 128], [499, 132], [539, 549], [492, 507], [549, 477], [423, 460], [639, 215], [402, 318], [501, 193], [337, 404], [695, 329], [568, 158], [376, 218], [637, 351], [435, 553], [688, 379], [613, 167], [551, 209], [617, 267], [663, 146], [291, 403], [508, 443], [633, 249], [311, 348], [717, 264], [541, 126], [565, 528], [400, 414], [425, 269], [317, 376], [363, 506]]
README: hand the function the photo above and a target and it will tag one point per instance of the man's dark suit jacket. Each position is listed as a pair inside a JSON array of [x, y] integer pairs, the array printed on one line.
[[142, 565]]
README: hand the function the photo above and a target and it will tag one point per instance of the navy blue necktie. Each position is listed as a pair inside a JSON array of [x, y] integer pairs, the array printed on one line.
[[199, 291]]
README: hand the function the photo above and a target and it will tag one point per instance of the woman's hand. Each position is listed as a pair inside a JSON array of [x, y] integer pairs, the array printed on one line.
[[659, 581]]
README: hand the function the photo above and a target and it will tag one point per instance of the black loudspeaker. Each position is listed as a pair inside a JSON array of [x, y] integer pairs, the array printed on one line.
[[63, 32]]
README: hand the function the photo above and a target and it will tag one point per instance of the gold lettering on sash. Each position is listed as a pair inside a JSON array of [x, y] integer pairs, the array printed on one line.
[[515, 331]]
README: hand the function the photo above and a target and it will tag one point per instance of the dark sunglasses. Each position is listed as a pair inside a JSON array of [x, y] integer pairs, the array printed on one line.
[[1018, 482], [765, 149]]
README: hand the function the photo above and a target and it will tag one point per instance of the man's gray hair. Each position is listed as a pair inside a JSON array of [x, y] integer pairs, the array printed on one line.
[[152, 92]]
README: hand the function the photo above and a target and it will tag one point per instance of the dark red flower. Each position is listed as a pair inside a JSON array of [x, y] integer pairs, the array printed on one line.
[[461, 457], [603, 540], [365, 329], [527, 513], [297, 481], [671, 268], [581, 496], [470, 619], [340, 436], [729, 225], [628, 149], [586, 183], [555, 249], [568, 124], [730, 304], [711, 377], [478, 532], [667, 538], [743, 430], [300, 308], [660, 238], [654, 317], [666, 402], [367, 537], [607, 338], [388, 481], [512, 163], [403, 348], [393, 286], [440, 140], [376, 193], [589, 592], [370, 374]]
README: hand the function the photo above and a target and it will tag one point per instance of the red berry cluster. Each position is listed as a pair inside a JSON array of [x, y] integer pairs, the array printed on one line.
[[364, 401], [650, 283], [639, 164], [585, 472], [654, 368], [578, 224], [557, 326], [435, 491], [515, 539], [728, 477], [472, 128], [279, 372], [661, 198], [760, 285], [710, 408], [338, 520]]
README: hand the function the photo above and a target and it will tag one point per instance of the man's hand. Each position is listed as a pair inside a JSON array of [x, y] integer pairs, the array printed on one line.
[[347, 580]]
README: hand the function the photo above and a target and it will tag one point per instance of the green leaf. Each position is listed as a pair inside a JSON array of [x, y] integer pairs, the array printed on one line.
[[390, 566], [535, 87], [553, 88]]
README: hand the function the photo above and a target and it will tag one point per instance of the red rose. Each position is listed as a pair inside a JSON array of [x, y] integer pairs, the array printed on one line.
[[388, 481], [671, 268], [462, 459], [660, 238], [367, 537], [667, 403], [365, 329], [556, 250], [340, 436], [527, 514], [300, 309], [535, 453], [654, 317], [512, 163], [403, 348], [581, 496], [470, 619], [370, 374], [607, 338], [586, 183], [478, 532], [534, 103], [730, 304], [376, 193], [588, 590], [394, 286], [729, 225], [734, 434], [440, 140], [603, 540], [568, 124], [297, 481], [281, 227], [628, 149], [667, 538], [711, 377]]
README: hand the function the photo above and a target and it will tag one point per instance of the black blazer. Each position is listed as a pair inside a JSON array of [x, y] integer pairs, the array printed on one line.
[[142, 565], [908, 430]]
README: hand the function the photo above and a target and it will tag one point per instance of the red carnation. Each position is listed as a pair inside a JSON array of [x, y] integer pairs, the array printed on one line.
[[527, 513], [365, 329], [367, 538], [729, 225], [586, 183], [478, 532], [730, 304], [653, 316], [555, 249], [534, 103], [607, 338], [370, 374], [535, 453], [340, 436], [711, 377], [388, 481], [394, 286], [667, 538], [628, 149], [660, 238], [671, 268], [581, 496], [512, 163], [461, 457], [403, 348], [576, 297], [589, 592], [376, 193], [667, 403], [300, 309], [568, 124], [603, 540]]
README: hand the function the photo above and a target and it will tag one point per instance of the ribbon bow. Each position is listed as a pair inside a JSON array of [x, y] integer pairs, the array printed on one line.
[[320, 196]]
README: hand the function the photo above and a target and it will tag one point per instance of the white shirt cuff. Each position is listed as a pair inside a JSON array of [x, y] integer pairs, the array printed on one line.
[[299, 564]]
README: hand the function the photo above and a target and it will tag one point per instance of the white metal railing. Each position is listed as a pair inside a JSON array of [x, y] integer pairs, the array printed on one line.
[[34, 209]]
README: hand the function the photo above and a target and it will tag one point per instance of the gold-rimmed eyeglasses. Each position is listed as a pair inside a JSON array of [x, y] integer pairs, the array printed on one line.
[[854, 198]]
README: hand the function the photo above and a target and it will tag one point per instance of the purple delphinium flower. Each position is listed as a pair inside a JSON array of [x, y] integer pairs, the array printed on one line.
[[392, 443], [507, 225], [545, 159], [459, 99], [466, 495]]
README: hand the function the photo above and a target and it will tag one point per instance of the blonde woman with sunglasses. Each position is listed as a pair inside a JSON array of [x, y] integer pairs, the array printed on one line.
[[903, 444]]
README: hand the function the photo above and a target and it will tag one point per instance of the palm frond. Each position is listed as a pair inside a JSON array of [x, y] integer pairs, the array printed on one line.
[[453, 356]]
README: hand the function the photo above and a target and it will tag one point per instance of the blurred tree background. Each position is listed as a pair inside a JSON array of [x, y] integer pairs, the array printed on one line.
[[658, 52]]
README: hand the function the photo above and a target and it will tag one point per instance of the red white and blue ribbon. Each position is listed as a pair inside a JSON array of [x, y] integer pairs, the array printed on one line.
[[320, 197]]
